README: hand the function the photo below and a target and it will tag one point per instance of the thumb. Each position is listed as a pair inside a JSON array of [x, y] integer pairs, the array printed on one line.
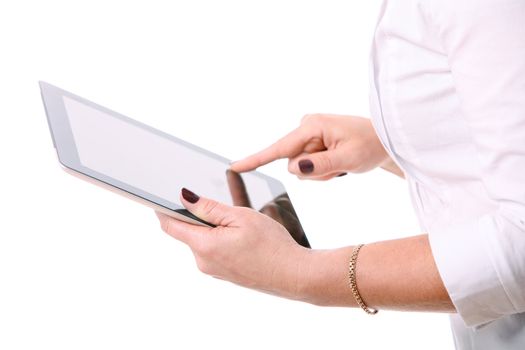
[[207, 209], [318, 163]]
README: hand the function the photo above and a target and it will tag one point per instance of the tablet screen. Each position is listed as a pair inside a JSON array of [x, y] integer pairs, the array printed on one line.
[[142, 159]]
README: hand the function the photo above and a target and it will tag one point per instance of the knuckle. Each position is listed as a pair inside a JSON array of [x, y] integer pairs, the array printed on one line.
[[165, 224], [326, 164], [203, 266], [204, 248], [311, 118], [351, 164], [210, 207], [305, 118]]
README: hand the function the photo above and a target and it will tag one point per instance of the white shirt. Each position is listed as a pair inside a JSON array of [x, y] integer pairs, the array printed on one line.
[[448, 103]]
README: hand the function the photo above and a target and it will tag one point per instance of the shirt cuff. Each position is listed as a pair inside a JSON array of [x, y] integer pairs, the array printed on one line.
[[467, 260]]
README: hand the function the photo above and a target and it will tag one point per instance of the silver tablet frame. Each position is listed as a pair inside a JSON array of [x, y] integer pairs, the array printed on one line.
[[65, 146]]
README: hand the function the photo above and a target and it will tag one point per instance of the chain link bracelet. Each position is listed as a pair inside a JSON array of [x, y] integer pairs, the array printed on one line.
[[353, 284]]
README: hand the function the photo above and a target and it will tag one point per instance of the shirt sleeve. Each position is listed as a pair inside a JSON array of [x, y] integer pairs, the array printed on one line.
[[482, 261]]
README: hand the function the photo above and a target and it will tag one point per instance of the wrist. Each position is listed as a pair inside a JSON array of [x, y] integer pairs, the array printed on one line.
[[323, 279]]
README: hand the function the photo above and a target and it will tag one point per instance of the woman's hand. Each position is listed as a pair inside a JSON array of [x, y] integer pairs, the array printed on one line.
[[252, 250], [325, 146], [246, 247]]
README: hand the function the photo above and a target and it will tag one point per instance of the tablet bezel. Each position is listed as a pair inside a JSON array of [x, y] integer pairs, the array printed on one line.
[[64, 143]]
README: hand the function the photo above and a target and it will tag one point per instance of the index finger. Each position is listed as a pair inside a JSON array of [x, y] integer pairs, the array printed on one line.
[[289, 146]]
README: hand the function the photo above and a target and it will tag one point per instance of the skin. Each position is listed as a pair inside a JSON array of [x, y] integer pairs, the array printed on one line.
[[252, 250]]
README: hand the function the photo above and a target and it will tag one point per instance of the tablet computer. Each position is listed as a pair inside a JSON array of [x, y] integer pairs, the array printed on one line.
[[118, 153]]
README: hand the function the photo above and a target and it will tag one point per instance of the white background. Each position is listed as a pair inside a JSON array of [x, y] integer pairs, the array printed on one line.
[[82, 268]]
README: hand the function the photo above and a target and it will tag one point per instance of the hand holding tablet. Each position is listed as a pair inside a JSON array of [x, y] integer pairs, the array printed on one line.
[[246, 247]]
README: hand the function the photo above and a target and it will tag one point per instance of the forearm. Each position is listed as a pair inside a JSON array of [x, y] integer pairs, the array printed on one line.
[[397, 275]]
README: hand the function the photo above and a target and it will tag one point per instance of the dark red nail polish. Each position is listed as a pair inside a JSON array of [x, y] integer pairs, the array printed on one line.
[[306, 166], [342, 174], [189, 196]]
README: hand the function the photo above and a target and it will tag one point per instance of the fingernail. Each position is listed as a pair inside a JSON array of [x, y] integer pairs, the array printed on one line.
[[189, 196], [342, 174], [306, 166]]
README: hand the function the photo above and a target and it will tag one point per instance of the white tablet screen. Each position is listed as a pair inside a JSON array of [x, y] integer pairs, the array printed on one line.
[[148, 161]]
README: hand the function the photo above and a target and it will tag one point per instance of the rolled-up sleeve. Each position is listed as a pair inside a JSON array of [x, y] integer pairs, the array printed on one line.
[[482, 261]]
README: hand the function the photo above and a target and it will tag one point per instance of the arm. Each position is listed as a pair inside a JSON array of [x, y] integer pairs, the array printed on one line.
[[485, 44], [397, 275], [254, 251]]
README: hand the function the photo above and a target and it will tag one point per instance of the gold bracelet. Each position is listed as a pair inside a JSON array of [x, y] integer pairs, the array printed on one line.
[[353, 283]]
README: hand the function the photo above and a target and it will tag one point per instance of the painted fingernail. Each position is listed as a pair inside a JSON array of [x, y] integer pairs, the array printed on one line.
[[306, 166], [342, 174], [189, 196]]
